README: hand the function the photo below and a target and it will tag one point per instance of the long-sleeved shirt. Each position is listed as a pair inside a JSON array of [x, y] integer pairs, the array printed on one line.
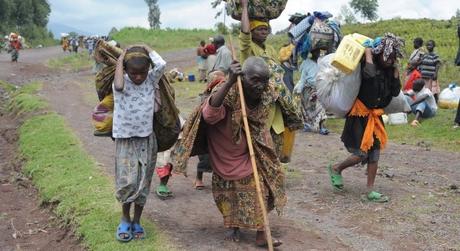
[[249, 48], [308, 69], [223, 60], [135, 105], [378, 87], [229, 160]]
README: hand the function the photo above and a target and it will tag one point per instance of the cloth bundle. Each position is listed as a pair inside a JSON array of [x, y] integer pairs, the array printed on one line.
[[449, 97], [316, 31], [166, 123], [335, 90], [103, 116], [398, 104], [257, 9]]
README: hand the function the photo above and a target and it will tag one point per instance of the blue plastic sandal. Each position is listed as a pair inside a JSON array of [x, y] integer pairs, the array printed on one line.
[[124, 228], [138, 230]]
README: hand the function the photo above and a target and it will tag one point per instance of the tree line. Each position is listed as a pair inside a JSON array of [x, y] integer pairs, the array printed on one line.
[[26, 17]]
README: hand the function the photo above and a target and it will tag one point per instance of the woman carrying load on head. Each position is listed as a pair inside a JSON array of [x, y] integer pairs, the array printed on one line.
[[364, 132], [15, 46], [284, 114]]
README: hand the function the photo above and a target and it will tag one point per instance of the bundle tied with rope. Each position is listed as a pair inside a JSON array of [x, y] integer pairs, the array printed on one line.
[[258, 9], [166, 124]]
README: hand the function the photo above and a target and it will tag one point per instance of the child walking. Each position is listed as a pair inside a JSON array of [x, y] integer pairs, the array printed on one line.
[[136, 98]]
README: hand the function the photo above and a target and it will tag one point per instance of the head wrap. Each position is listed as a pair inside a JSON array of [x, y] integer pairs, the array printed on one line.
[[389, 44], [132, 55], [257, 23]]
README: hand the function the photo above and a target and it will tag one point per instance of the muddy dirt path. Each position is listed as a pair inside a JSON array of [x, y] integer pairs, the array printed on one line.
[[24, 224], [423, 214]]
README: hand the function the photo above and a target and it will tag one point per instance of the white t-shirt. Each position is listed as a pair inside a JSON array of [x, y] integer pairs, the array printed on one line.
[[430, 100], [135, 105]]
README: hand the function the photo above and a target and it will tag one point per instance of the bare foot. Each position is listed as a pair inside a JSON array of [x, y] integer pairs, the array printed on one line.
[[199, 184], [261, 240], [233, 235]]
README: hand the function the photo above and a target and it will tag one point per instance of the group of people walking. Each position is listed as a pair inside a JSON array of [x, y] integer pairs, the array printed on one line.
[[215, 131]]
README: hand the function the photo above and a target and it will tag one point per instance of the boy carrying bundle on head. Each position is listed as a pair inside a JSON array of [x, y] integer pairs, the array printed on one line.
[[136, 98]]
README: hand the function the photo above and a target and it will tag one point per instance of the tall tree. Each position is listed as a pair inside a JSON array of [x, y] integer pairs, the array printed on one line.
[[367, 8], [346, 15], [28, 17], [154, 14]]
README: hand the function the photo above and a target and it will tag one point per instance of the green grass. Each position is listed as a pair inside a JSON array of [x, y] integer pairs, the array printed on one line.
[[436, 132], [7, 86], [187, 93], [443, 32], [163, 40], [67, 177], [24, 99], [73, 62]]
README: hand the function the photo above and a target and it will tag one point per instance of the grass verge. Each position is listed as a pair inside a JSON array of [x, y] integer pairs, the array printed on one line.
[[69, 178], [73, 62], [436, 132]]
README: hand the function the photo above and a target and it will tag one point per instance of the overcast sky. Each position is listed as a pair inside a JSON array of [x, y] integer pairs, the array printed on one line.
[[99, 16]]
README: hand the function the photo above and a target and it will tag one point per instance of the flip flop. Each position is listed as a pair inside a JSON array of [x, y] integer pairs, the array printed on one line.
[[323, 131], [163, 192], [124, 228], [374, 196], [336, 179], [138, 230]]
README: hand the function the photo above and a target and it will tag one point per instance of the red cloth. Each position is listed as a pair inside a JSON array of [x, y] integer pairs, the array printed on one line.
[[210, 49], [414, 75], [229, 160], [16, 44], [164, 171]]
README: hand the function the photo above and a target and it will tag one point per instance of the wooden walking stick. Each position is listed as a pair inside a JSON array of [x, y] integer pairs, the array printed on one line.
[[252, 156]]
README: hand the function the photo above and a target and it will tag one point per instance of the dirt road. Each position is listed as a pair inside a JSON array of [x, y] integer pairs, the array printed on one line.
[[24, 223], [423, 214]]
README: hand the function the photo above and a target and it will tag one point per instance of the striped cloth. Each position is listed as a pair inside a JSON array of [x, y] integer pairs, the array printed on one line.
[[428, 65]]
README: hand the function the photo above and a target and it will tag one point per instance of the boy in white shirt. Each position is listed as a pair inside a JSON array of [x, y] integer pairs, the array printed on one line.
[[422, 102], [136, 98]]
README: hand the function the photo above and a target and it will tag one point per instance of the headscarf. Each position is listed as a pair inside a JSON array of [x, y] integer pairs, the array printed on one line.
[[132, 55], [389, 44], [257, 23]]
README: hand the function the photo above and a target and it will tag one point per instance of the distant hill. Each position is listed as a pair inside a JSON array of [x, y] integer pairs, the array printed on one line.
[[57, 29]]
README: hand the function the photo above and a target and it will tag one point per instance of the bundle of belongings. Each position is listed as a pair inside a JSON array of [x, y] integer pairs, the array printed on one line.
[[449, 97], [257, 9], [166, 121], [317, 31], [338, 83]]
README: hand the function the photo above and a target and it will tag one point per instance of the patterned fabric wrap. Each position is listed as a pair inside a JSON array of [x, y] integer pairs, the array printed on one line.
[[257, 9], [104, 80], [166, 123], [269, 167], [238, 203], [389, 44], [134, 166], [290, 110], [313, 112], [103, 117]]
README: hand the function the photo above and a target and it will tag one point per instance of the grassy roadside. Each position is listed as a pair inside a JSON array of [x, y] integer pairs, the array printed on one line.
[[69, 178], [436, 132], [73, 62]]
